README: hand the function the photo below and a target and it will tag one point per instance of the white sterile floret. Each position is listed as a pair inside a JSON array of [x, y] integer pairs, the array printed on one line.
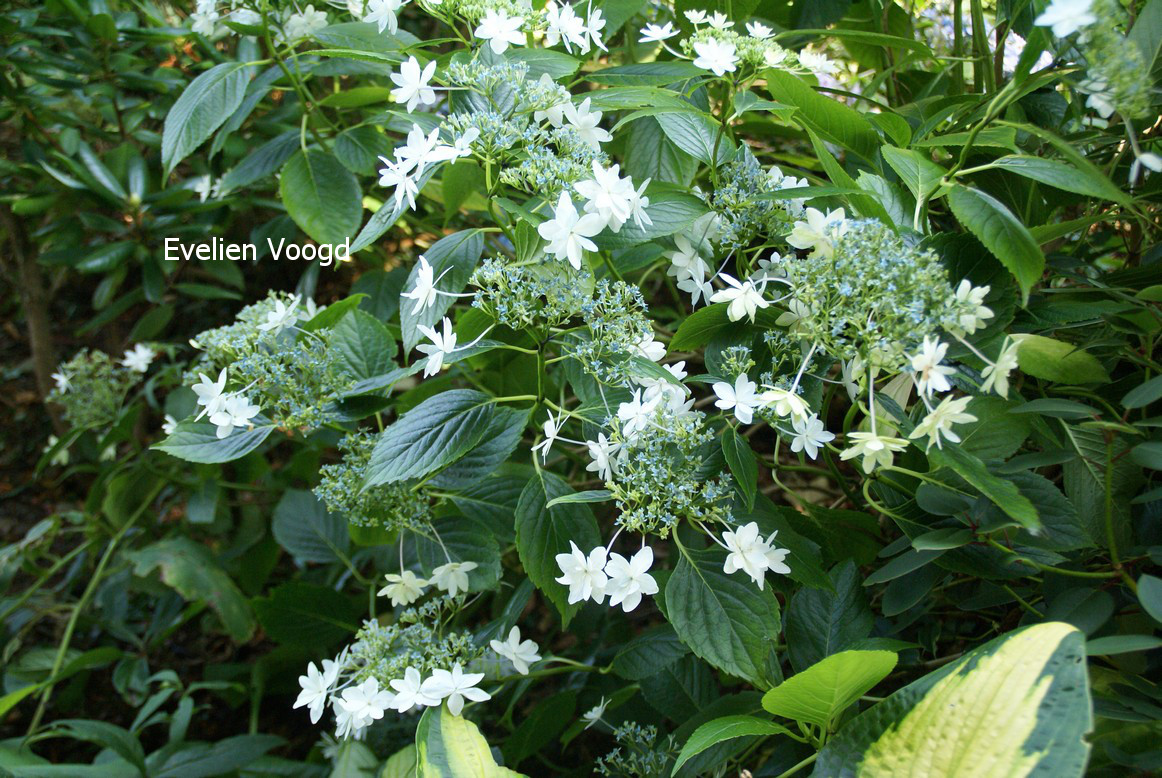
[[382, 13], [565, 26], [975, 314], [211, 394], [749, 552], [587, 123], [584, 574], [501, 30], [442, 346], [876, 450], [64, 382], [759, 31], [629, 578], [648, 347], [656, 33], [409, 692], [818, 231], [237, 411], [608, 194], [741, 397], [569, 233], [521, 653], [744, 297], [930, 375], [316, 688], [404, 588], [413, 84], [139, 358], [785, 403], [686, 262], [635, 415], [424, 292], [594, 714], [452, 577], [938, 423], [1066, 17], [602, 452], [551, 428], [996, 375], [366, 702], [818, 63], [719, 57], [454, 687], [282, 316], [810, 435]]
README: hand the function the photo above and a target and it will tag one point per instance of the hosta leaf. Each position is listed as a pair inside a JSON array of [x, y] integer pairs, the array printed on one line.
[[825, 689], [1017, 706], [449, 746]]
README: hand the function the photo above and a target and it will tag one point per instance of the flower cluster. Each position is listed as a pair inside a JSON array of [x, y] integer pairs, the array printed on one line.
[[387, 506], [91, 386]]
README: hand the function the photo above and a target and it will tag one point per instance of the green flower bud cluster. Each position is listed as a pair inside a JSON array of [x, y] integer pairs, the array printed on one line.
[[1118, 77], [640, 753], [743, 213], [524, 296], [472, 11], [222, 345], [386, 506], [96, 389], [383, 651], [616, 317], [876, 298], [294, 380]]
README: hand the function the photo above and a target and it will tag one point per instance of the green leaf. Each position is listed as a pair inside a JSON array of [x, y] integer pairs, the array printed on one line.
[[363, 345], [1003, 493], [743, 465], [1121, 644], [1002, 234], [697, 134], [304, 527], [836, 122], [942, 539], [454, 257], [306, 614], [322, 196], [646, 74], [725, 728], [203, 107], [821, 622], [1019, 705], [195, 574], [449, 746], [920, 174], [647, 653], [542, 532], [1062, 176], [724, 619], [1150, 595], [1055, 360], [198, 441], [360, 148], [592, 495], [435, 433], [106, 735], [462, 540], [1146, 34], [1143, 394], [825, 689]]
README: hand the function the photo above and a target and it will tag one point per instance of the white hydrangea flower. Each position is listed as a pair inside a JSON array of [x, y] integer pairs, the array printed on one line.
[[413, 84], [452, 577], [583, 574], [520, 653], [719, 57], [139, 358], [629, 579], [741, 397], [501, 30], [455, 687], [938, 423]]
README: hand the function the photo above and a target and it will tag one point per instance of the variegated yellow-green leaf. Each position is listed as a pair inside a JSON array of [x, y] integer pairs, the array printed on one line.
[[1018, 705], [449, 746]]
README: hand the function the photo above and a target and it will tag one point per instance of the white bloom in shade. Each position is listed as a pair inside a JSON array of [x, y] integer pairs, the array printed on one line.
[[602, 451], [593, 27], [569, 233], [316, 687], [202, 22], [417, 151], [60, 458], [520, 653], [638, 202], [413, 83], [366, 702], [304, 24], [564, 25], [347, 724], [975, 313], [636, 414], [63, 382], [996, 375], [876, 450], [501, 30], [403, 589], [424, 292], [817, 63], [237, 411], [170, 425], [455, 687], [810, 435], [940, 420], [584, 575], [554, 114], [719, 21], [819, 231], [408, 692], [210, 393], [594, 714], [759, 31], [686, 262], [629, 578], [608, 194], [382, 13], [1066, 17], [439, 349], [587, 123], [744, 298], [749, 552], [697, 290], [741, 397], [716, 56], [931, 376], [453, 577], [395, 176], [784, 402], [551, 428], [647, 347], [696, 17], [281, 317], [656, 33]]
